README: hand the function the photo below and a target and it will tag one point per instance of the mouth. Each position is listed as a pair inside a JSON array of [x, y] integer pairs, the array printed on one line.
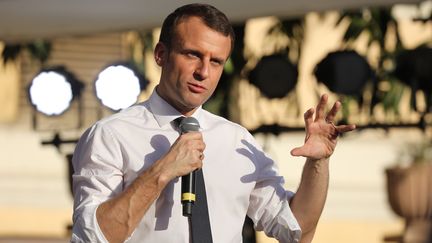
[[196, 88]]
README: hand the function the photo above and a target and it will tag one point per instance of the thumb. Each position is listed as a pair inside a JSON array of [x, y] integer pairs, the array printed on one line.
[[299, 151]]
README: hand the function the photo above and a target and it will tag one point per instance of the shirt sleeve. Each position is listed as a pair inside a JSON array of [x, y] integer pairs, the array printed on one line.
[[269, 202], [97, 177]]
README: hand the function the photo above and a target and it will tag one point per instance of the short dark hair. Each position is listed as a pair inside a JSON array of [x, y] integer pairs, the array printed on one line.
[[211, 16]]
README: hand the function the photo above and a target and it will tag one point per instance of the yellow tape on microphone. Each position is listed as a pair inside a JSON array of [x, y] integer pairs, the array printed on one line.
[[188, 197]]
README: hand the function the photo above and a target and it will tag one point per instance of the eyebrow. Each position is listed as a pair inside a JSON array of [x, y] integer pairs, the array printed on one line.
[[196, 52], [219, 60]]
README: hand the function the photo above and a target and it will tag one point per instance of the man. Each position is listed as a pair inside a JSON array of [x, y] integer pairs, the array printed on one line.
[[127, 166]]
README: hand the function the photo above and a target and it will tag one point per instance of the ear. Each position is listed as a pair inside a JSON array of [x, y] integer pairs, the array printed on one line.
[[160, 53]]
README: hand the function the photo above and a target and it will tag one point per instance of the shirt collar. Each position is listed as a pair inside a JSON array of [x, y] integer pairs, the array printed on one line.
[[164, 113]]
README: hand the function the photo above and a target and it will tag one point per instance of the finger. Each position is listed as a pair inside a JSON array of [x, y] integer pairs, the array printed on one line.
[[299, 151], [200, 147], [201, 156], [192, 135], [197, 145], [190, 142], [321, 107], [308, 117], [345, 128], [333, 111], [197, 165], [195, 159]]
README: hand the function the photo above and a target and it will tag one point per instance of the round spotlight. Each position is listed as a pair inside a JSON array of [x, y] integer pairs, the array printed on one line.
[[52, 91], [344, 72], [118, 86], [275, 76]]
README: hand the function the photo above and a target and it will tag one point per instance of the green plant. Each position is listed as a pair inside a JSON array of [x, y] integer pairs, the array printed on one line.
[[377, 22], [38, 49], [416, 152], [293, 31]]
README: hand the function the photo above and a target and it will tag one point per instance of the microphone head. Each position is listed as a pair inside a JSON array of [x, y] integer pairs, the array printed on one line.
[[189, 124]]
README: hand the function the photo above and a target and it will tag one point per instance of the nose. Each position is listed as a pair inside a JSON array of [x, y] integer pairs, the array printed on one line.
[[202, 71]]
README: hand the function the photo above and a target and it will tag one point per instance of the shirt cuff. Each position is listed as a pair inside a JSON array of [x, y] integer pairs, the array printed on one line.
[[86, 228], [100, 234], [98, 231]]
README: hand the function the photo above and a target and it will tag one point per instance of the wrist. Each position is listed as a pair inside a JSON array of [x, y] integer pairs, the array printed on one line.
[[318, 165], [318, 161], [161, 176]]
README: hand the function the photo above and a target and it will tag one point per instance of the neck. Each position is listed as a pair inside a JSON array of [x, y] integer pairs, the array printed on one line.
[[184, 111]]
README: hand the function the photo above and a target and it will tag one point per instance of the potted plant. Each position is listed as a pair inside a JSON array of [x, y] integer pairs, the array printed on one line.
[[409, 188]]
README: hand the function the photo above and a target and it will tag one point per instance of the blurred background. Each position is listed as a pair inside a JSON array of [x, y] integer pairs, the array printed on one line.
[[67, 64]]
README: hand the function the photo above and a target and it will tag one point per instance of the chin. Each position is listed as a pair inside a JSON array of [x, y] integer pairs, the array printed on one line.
[[196, 101]]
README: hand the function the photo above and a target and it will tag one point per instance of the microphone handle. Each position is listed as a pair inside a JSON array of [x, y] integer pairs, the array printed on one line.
[[188, 193]]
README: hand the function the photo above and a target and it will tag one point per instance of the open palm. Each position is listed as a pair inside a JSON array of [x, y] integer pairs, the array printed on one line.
[[321, 133]]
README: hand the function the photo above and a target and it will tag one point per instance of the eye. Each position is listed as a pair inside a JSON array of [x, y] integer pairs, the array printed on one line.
[[193, 54], [217, 62]]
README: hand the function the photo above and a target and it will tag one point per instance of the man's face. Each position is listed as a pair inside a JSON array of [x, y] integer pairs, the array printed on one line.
[[192, 67]]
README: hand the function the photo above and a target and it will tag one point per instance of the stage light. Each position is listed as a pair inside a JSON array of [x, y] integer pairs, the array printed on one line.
[[118, 86], [275, 76], [344, 72], [52, 91], [414, 68]]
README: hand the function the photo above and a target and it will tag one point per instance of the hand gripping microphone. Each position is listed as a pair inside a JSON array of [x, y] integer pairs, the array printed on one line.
[[188, 124]]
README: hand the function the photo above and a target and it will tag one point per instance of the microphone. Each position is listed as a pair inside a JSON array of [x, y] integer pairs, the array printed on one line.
[[188, 124]]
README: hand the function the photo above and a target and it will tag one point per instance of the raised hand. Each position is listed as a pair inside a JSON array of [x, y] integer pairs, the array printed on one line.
[[321, 133]]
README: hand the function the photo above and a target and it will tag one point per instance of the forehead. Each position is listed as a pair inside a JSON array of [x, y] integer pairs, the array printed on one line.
[[193, 33]]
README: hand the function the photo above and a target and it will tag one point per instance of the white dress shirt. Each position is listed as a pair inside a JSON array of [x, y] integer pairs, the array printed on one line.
[[240, 179]]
